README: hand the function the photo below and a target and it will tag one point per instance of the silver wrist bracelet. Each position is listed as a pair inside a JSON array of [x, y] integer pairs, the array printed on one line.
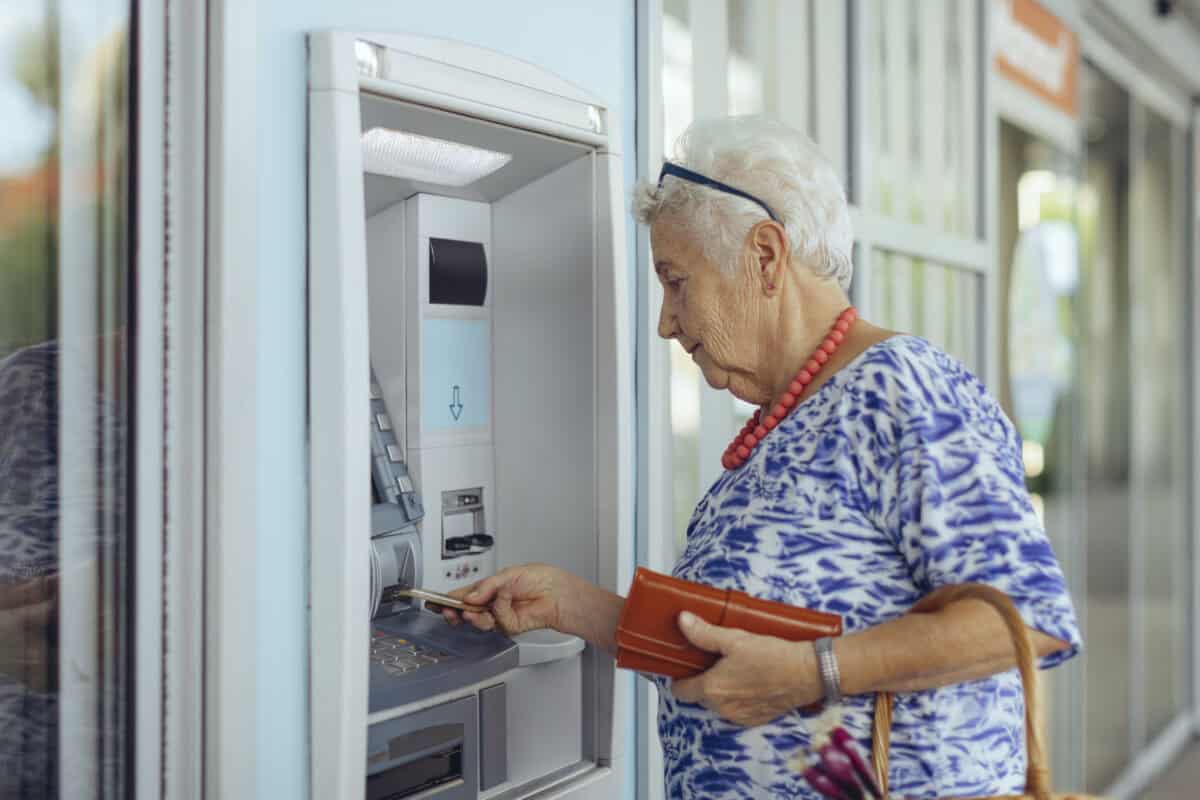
[[831, 677]]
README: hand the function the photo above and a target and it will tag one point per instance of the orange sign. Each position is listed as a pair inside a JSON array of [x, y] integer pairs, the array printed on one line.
[[1036, 51]]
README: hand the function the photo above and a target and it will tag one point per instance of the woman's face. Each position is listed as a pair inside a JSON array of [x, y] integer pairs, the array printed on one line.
[[714, 314]]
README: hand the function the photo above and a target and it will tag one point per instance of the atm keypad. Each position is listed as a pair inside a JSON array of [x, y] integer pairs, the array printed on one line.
[[399, 656]]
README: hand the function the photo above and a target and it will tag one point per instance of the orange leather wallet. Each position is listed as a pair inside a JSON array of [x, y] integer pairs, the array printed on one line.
[[648, 635]]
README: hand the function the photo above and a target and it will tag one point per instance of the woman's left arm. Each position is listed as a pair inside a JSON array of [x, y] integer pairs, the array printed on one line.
[[965, 641], [759, 678]]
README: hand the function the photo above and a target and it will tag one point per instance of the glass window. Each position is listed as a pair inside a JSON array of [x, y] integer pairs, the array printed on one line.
[[65, 413], [1038, 353], [921, 112], [676, 72], [1159, 382], [937, 302], [751, 53], [1107, 357]]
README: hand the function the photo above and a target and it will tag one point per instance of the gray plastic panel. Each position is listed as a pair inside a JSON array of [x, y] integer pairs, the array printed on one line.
[[398, 743], [476, 656], [493, 732]]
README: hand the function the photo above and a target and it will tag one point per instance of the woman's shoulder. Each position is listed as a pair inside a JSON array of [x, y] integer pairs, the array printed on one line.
[[908, 375]]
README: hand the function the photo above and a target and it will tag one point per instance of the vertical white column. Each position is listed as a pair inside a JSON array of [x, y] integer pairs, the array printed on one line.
[[338, 414], [931, 54], [982, 169], [976, 62], [655, 534], [710, 55], [791, 85], [830, 82], [151, 390], [231, 590], [864, 125], [899, 84], [1139, 429], [184, 534], [1192, 188]]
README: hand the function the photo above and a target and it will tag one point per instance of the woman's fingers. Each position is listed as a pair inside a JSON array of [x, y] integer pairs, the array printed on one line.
[[481, 592], [448, 614], [484, 621], [484, 592]]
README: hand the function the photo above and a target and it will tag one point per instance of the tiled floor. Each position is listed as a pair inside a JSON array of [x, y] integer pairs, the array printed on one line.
[[1181, 781]]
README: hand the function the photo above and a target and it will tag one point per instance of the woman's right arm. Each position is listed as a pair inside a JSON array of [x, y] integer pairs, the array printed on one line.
[[534, 596], [591, 613]]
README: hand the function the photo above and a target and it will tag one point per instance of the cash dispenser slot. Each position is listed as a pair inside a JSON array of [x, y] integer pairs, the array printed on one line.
[[464, 523], [431, 754]]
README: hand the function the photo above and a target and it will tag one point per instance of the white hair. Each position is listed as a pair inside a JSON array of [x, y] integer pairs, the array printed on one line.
[[778, 165]]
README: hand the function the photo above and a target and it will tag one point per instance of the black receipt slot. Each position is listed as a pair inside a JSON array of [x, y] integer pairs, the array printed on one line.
[[457, 272]]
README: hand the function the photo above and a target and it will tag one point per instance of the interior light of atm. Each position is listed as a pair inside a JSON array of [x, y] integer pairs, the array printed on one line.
[[399, 154]]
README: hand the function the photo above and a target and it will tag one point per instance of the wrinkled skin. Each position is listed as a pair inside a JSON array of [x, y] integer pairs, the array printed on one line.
[[751, 326]]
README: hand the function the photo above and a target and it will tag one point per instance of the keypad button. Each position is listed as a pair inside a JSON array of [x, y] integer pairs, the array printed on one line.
[[383, 421], [394, 454]]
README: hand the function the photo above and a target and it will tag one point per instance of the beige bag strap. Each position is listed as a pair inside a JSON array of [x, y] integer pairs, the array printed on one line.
[[1037, 776]]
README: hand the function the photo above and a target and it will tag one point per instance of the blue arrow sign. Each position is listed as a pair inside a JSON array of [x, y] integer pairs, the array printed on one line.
[[456, 405]]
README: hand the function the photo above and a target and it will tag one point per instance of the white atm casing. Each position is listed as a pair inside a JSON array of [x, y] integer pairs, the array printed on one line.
[[441, 458], [458, 79]]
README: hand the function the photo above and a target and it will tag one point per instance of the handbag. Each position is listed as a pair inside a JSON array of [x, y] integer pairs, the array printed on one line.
[[648, 635], [1037, 774]]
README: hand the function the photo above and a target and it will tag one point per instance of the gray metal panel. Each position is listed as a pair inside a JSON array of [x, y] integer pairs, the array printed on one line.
[[382, 755], [493, 745], [544, 356]]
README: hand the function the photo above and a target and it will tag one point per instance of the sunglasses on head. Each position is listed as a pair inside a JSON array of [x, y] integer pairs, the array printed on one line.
[[686, 174]]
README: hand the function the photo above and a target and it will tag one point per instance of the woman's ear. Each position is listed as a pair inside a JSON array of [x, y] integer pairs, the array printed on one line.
[[769, 246]]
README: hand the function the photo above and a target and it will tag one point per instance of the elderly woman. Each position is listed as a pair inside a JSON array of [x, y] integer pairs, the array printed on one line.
[[876, 470]]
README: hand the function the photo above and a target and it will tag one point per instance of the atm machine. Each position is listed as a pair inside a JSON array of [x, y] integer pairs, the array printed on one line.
[[468, 334]]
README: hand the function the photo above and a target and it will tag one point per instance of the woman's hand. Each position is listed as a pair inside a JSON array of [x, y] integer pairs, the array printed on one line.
[[757, 678], [518, 599]]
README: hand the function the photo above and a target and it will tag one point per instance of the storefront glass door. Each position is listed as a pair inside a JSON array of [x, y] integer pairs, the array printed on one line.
[[1137, 462]]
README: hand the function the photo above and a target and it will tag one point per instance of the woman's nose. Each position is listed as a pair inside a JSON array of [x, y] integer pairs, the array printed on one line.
[[666, 322]]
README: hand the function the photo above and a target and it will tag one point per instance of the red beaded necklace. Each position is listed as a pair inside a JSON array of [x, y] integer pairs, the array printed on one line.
[[755, 430]]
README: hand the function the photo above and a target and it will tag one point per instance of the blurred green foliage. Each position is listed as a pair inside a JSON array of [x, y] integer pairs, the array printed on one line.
[[28, 285], [28, 244]]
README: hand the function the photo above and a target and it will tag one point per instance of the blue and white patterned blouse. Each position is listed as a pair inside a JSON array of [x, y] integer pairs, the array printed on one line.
[[900, 474]]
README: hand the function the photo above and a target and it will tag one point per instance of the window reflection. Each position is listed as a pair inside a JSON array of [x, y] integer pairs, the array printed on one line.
[[64, 408]]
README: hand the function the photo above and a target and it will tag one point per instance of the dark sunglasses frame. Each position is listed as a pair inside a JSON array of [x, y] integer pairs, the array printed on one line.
[[695, 177]]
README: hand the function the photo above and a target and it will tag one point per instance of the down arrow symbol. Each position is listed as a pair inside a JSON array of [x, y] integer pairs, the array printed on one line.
[[456, 405]]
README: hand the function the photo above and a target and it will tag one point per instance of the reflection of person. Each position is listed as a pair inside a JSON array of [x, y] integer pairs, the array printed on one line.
[[29, 521], [857, 491], [62, 487], [27, 611]]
